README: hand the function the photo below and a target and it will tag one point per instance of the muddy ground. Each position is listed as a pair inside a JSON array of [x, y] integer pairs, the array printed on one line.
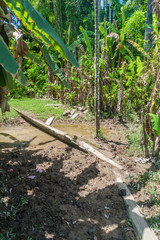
[[52, 191]]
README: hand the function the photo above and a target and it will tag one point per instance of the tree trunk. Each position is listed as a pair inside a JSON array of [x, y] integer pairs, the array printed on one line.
[[114, 12], [120, 93], [156, 149], [105, 9], [58, 16], [97, 80], [110, 13], [50, 79], [148, 31]]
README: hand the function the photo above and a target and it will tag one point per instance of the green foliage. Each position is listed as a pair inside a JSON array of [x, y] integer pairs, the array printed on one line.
[[87, 41], [6, 58], [133, 137], [8, 66], [71, 98], [155, 123], [8, 235], [37, 81], [155, 223], [134, 27], [36, 106], [38, 25], [100, 134], [138, 85], [149, 182], [53, 65], [6, 78]]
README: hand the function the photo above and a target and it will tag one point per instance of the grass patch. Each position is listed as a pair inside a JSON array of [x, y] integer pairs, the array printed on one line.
[[42, 108], [8, 235], [133, 137], [149, 183], [155, 223]]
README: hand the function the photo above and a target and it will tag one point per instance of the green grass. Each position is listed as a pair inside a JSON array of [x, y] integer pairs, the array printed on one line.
[[9, 235], [149, 183], [155, 223], [133, 137], [34, 106]]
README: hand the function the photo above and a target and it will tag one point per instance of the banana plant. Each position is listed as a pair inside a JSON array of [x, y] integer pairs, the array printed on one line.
[[36, 24], [83, 38], [39, 29], [87, 41], [155, 123]]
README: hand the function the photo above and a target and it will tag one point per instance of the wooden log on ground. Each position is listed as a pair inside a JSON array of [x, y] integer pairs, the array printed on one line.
[[60, 135], [64, 137], [90, 149], [142, 230]]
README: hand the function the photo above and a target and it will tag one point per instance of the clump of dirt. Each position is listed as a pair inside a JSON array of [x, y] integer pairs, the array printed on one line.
[[51, 191]]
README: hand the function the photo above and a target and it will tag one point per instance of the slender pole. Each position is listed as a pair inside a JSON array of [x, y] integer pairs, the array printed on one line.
[[110, 13], [148, 31], [97, 80]]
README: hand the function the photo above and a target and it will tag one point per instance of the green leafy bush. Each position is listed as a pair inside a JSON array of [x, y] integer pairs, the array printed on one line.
[[37, 84], [135, 27]]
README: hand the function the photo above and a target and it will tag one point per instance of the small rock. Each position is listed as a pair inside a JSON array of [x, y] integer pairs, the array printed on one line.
[[74, 222], [122, 192], [107, 208], [107, 216]]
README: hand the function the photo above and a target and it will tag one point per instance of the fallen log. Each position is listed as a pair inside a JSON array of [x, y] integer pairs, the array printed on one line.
[[65, 138], [90, 149], [60, 135]]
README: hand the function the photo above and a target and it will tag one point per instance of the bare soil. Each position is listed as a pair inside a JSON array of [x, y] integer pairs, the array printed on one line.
[[49, 190]]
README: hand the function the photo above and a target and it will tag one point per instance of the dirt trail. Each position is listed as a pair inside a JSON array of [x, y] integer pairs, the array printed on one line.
[[51, 191]]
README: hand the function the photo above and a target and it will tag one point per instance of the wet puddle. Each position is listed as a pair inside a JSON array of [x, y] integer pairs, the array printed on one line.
[[26, 135], [81, 130]]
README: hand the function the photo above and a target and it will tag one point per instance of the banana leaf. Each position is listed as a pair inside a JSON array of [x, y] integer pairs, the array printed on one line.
[[30, 55], [155, 123], [6, 58], [80, 38], [87, 41], [53, 65], [41, 29], [6, 78]]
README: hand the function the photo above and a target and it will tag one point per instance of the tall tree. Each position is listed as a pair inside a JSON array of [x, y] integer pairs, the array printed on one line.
[[105, 9], [97, 80], [148, 31]]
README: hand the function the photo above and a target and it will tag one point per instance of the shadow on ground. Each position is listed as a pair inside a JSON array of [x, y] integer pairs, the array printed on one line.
[[74, 197]]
